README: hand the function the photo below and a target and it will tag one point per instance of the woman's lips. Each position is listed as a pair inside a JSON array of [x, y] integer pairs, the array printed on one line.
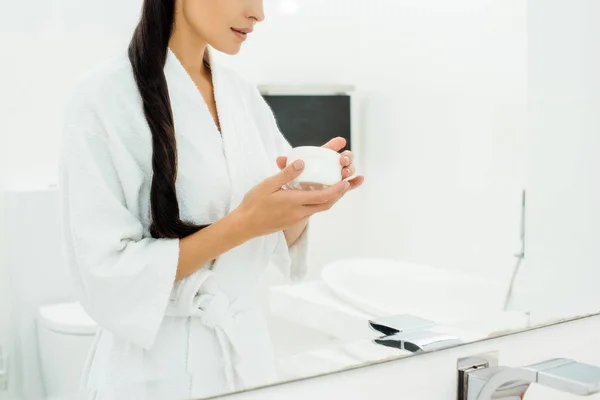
[[241, 33]]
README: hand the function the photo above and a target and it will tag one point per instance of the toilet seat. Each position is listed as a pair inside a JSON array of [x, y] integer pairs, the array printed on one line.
[[67, 318]]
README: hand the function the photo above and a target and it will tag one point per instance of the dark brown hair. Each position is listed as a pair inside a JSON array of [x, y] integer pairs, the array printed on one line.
[[147, 54]]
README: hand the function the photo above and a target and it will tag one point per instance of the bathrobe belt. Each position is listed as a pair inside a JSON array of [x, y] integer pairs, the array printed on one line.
[[216, 311]]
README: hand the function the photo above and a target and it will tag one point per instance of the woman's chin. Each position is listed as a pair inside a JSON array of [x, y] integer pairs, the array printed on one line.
[[230, 49]]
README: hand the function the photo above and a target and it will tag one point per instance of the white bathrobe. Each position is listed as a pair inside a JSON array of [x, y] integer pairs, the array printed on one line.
[[204, 335]]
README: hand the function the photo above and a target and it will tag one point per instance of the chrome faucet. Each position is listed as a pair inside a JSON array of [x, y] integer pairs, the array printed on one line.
[[481, 380], [410, 333]]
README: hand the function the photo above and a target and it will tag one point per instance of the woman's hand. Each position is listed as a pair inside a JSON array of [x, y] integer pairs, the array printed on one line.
[[269, 208], [346, 159]]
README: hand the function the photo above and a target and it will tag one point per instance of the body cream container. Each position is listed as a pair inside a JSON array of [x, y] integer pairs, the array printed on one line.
[[322, 167]]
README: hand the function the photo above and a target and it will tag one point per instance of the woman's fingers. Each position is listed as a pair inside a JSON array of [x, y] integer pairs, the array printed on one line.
[[286, 175], [346, 158], [315, 201], [315, 197], [356, 182], [348, 172], [335, 144], [281, 162], [312, 197], [316, 208]]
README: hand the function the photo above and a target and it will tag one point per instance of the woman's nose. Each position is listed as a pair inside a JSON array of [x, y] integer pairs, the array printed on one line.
[[256, 10]]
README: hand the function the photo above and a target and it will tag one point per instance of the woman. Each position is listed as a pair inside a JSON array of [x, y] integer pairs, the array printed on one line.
[[172, 174]]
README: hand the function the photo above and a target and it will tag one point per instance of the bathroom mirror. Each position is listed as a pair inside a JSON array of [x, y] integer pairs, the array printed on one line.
[[478, 217]]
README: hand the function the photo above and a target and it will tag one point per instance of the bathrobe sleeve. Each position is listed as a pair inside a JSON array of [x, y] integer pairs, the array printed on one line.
[[122, 278], [292, 261]]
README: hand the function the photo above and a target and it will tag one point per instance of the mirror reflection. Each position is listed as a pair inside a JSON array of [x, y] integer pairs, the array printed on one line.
[[203, 197]]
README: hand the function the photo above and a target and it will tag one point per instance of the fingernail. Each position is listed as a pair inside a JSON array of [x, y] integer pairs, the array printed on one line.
[[346, 185], [298, 164], [347, 158]]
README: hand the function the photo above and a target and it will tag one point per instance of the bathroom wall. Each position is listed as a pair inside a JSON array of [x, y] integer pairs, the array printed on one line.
[[563, 224], [47, 44], [449, 105]]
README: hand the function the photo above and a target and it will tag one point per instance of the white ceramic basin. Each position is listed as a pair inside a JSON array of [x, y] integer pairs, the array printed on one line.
[[386, 287]]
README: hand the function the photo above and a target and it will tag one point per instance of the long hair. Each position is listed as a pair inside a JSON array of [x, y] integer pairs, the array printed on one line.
[[148, 53]]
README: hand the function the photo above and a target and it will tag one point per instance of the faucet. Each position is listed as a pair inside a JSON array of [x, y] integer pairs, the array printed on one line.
[[410, 333], [478, 380]]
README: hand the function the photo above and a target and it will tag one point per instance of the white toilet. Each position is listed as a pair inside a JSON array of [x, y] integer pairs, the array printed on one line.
[[65, 334]]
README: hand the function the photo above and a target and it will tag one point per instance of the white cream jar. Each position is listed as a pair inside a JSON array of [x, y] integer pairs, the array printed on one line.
[[322, 167]]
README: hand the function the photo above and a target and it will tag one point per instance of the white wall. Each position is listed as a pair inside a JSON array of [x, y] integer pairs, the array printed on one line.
[[563, 223], [448, 103], [46, 44]]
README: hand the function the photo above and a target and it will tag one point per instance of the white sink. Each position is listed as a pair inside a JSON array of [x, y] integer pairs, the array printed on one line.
[[354, 291], [383, 287]]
